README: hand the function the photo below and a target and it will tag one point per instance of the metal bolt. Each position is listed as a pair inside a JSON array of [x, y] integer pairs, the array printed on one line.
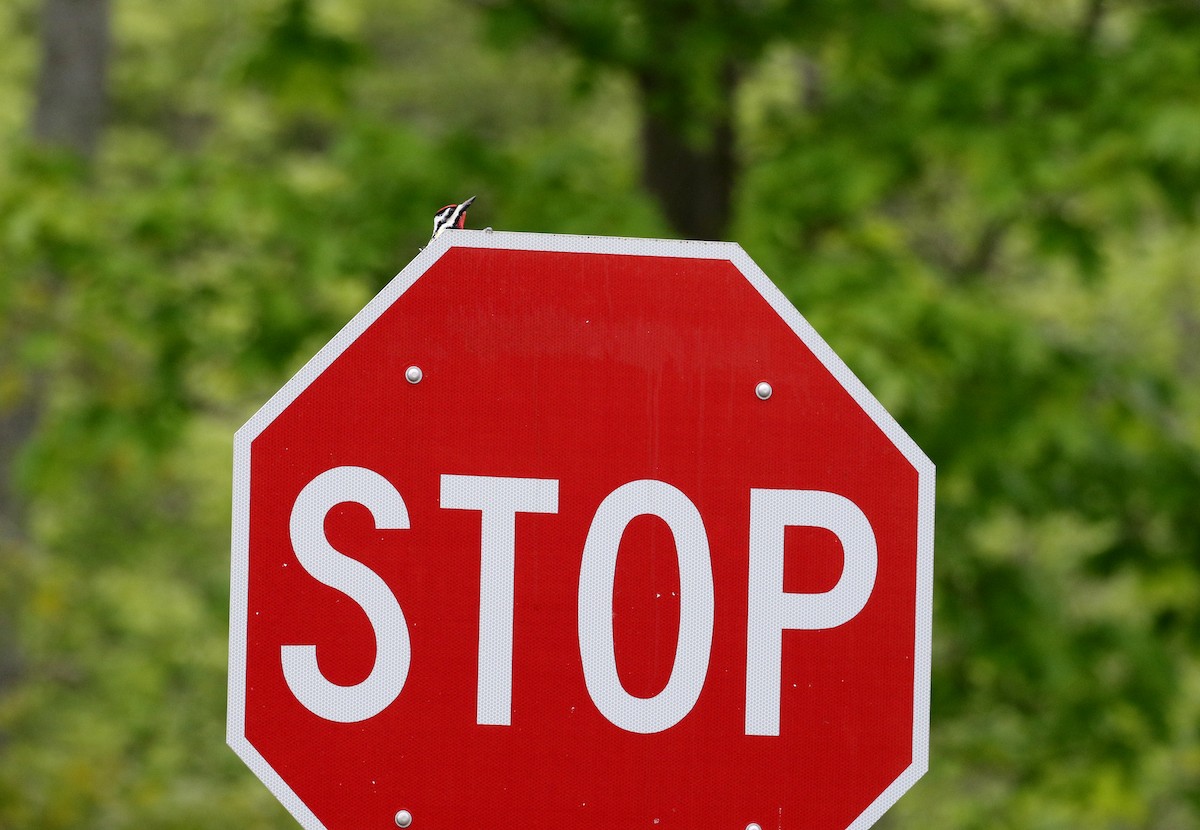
[[763, 391], [413, 374], [404, 817], [754, 825]]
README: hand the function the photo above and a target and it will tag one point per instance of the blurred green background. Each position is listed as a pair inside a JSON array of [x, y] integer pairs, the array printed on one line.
[[988, 208]]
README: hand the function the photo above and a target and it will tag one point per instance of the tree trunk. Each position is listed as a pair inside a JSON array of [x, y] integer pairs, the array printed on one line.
[[69, 109], [690, 172], [69, 115]]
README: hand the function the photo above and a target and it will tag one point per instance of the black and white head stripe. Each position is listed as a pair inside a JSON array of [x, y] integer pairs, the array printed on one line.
[[451, 216]]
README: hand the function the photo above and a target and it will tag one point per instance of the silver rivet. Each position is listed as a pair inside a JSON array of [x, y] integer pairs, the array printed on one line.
[[413, 374], [754, 825], [404, 817], [763, 390]]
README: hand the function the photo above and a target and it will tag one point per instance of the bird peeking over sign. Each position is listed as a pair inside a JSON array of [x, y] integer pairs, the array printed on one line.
[[451, 216]]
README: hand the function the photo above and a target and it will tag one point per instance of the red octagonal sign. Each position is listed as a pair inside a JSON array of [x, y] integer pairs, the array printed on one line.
[[576, 532]]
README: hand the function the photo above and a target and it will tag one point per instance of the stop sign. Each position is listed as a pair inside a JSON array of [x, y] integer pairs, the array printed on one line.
[[580, 532]]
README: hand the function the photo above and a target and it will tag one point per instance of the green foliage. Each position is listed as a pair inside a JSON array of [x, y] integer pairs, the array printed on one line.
[[987, 209]]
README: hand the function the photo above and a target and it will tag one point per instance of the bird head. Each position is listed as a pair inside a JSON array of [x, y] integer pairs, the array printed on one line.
[[451, 216]]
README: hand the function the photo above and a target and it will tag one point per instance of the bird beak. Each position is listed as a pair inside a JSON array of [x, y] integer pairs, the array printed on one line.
[[467, 202]]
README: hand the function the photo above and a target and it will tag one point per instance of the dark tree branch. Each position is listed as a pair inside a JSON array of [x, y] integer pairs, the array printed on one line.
[[983, 255], [687, 129], [583, 37], [1093, 16], [18, 421], [812, 84]]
